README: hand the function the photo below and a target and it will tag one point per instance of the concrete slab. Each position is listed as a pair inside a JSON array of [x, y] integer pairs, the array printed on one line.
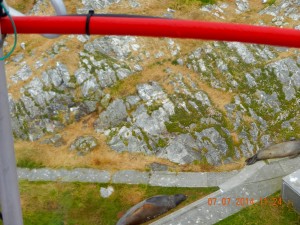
[[43, 175], [242, 176], [131, 177], [23, 173], [85, 175], [290, 165], [220, 205], [80, 175], [216, 178], [171, 179], [268, 171]]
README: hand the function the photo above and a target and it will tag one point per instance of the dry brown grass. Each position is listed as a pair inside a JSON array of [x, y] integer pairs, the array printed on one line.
[[133, 195], [127, 87], [21, 5], [218, 97], [235, 138]]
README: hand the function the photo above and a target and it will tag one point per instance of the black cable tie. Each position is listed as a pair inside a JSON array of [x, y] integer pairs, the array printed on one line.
[[87, 23]]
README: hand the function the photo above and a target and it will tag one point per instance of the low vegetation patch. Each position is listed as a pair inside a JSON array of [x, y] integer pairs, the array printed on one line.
[[29, 163], [58, 203], [265, 214]]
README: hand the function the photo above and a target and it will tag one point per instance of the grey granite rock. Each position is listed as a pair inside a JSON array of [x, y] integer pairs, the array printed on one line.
[[203, 98], [132, 100], [84, 144], [129, 139], [243, 52], [182, 149], [106, 77], [56, 140], [283, 68], [246, 147], [289, 92], [153, 124], [112, 116], [242, 5], [82, 75], [122, 73], [95, 4], [23, 74], [91, 89], [83, 38], [18, 58], [212, 145], [250, 80], [30, 106], [134, 4], [269, 101], [112, 46], [151, 92]]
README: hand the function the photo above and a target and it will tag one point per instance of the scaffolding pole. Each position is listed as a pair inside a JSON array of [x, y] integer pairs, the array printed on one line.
[[9, 192]]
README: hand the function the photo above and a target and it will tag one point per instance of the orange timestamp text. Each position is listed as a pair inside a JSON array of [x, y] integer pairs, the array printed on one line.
[[275, 201]]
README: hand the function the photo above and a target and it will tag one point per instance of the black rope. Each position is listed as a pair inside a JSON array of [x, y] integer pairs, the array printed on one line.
[[87, 24], [118, 15]]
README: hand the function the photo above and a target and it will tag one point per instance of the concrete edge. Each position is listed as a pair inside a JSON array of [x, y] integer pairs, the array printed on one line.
[[157, 178]]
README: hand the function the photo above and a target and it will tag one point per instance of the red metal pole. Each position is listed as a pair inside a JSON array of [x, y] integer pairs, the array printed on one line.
[[154, 27]]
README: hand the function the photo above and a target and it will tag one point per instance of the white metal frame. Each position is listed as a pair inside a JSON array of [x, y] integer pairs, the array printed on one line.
[[9, 191]]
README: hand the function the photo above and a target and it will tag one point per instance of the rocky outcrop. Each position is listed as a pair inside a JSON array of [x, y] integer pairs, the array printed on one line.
[[112, 116], [184, 123], [84, 144]]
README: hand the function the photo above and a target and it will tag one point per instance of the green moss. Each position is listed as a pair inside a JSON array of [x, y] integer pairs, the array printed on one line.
[[162, 143], [56, 90], [153, 107], [146, 139], [271, 2], [184, 118], [174, 127], [73, 79], [125, 141], [174, 62]]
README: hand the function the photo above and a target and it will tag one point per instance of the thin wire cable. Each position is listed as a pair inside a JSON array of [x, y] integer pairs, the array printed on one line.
[[15, 33]]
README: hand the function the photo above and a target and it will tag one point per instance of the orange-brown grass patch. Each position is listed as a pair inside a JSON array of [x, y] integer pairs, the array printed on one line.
[[133, 195], [128, 86], [236, 165], [218, 97], [24, 6], [235, 138]]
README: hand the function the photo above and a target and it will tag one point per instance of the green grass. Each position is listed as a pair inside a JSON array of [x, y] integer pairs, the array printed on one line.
[[29, 163], [261, 214], [56, 203], [271, 2]]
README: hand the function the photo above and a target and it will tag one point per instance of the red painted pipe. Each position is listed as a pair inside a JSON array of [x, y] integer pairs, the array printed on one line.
[[154, 27]]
